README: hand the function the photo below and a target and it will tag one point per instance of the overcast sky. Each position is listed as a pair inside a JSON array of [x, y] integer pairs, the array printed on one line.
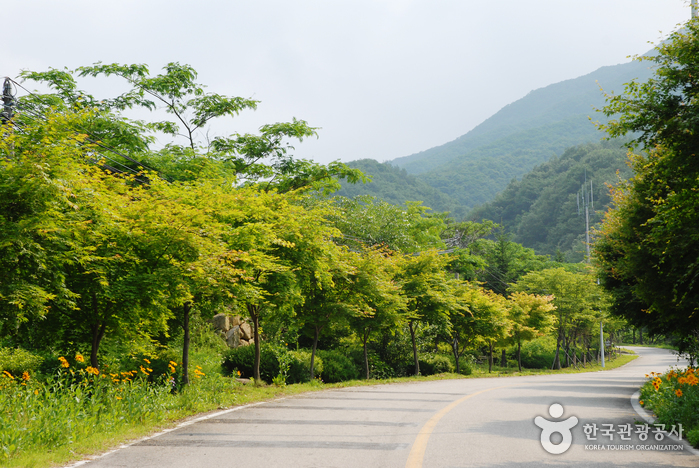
[[382, 78]]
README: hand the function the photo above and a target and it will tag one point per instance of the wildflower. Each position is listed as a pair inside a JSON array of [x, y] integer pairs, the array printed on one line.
[[79, 358], [92, 370], [25, 376], [64, 362], [36, 392], [144, 371], [239, 374], [118, 398], [678, 392], [8, 375], [147, 361], [640, 402], [173, 363]]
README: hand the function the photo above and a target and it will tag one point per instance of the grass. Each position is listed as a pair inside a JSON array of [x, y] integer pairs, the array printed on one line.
[[43, 430]]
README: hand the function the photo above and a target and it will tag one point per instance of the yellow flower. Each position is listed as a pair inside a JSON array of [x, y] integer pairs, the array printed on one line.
[[678, 392], [239, 374], [92, 370], [25, 376], [173, 363], [64, 362], [79, 358], [36, 392], [118, 398], [146, 360], [8, 375], [640, 402]]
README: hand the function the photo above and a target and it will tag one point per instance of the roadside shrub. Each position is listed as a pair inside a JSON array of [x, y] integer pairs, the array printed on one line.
[[693, 437], [300, 366], [539, 353], [674, 398], [380, 370], [242, 359], [16, 361], [337, 367], [441, 364]]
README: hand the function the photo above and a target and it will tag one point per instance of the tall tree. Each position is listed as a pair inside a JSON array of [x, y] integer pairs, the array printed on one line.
[[531, 316], [647, 248]]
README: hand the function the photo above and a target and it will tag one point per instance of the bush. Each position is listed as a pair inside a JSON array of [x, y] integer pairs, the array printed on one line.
[[242, 359], [300, 366], [337, 367], [539, 353], [693, 437], [380, 370], [16, 361], [441, 364]]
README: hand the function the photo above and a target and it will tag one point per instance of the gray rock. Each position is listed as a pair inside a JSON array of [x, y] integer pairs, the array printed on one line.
[[233, 337], [222, 322], [245, 331]]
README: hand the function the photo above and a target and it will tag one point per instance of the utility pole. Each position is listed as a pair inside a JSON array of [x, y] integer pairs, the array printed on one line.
[[588, 202], [8, 102], [601, 342]]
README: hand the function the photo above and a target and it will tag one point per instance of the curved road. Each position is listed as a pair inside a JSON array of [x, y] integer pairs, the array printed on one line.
[[449, 423]]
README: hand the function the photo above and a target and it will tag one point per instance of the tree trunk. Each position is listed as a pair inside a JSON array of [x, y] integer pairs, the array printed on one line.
[[256, 336], [490, 357], [633, 336], [519, 355], [97, 335], [557, 360], [366, 354], [98, 330], [503, 359], [313, 353], [640, 335], [186, 309], [412, 337]]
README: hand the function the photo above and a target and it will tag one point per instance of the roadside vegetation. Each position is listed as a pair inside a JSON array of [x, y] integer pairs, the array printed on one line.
[[117, 255]]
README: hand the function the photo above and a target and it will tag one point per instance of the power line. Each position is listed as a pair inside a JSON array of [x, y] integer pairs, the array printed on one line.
[[90, 140]]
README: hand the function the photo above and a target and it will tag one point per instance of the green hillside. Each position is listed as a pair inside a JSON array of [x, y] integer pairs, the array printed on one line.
[[570, 101], [541, 210], [396, 186]]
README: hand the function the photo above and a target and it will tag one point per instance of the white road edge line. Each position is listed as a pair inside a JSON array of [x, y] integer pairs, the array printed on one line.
[[650, 419], [166, 431]]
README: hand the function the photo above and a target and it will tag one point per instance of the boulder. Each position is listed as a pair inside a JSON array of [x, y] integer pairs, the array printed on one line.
[[245, 331], [233, 337], [221, 322], [236, 321]]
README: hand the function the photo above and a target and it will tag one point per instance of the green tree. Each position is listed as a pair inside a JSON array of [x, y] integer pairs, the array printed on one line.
[[368, 221], [378, 295], [576, 296], [531, 316], [425, 284], [647, 247]]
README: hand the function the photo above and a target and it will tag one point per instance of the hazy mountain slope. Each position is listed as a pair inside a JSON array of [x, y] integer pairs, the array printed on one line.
[[396, 186], [541, 210], [571, 100]]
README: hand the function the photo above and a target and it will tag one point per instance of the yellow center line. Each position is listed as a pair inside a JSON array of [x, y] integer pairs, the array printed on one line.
[[417, 453]]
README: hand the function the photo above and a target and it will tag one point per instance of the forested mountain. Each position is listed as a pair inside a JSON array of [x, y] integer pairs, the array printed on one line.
[[472, 169], [544, 209], [395, 185]]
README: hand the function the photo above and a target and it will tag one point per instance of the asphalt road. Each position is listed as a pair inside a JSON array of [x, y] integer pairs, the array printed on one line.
[[450, 423]]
